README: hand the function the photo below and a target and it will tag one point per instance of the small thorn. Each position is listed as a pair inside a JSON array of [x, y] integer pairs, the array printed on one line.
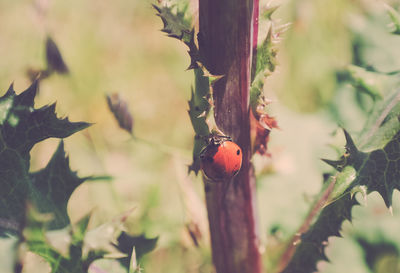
[[203, 114], [350, 146], [334, 163]]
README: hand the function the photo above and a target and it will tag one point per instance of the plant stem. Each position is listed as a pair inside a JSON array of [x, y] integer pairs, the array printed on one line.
[[225, 44]]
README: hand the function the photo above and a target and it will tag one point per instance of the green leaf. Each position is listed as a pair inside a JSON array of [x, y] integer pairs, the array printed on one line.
[[368, 82], [380, 255], [26, 126], [342, 182], [199, 108], [380, 170], [37, 242], [177, 25], [377, 170], [53, 186], [395, 17], [21, 127], [80, 228], [256, 91], [268, 11], [311, 248], [266, 55], [382, 123], [140, 244]]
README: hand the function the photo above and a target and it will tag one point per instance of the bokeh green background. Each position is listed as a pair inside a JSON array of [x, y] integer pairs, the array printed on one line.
[[116, 46]]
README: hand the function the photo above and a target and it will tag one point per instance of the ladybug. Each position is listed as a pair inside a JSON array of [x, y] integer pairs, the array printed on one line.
[[221, 159]]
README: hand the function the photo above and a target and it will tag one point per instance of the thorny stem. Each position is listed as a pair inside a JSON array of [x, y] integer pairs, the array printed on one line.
[[225, 44]]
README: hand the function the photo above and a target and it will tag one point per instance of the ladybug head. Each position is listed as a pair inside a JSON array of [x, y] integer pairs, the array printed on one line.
[[215, 139]]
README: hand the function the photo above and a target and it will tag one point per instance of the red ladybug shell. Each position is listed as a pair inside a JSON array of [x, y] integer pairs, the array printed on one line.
[[221, 161]]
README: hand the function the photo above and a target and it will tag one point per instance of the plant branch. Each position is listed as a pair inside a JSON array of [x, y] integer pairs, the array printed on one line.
[[225, 45]]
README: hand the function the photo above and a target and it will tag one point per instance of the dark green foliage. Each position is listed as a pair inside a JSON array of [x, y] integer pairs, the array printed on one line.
[[21, 127], [52, 187], [313, 242], [199, 108], [371, 162], [381, 170], [395, 18], [35, 237], [381, 256], [176, 25], [378, 170], [33, 203], [140, 244], [266, 54]]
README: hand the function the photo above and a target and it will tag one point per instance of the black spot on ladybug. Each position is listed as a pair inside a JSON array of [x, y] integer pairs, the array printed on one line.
[[238, 152]]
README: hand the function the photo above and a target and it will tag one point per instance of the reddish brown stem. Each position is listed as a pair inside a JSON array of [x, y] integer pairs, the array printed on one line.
[[255, 38], [225, 41]]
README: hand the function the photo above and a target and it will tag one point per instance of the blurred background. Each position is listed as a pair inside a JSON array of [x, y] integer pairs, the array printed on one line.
[[117, 47]]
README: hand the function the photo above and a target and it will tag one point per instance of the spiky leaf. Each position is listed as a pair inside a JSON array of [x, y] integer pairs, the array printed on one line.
[[141, 245], [311, 247], [52, 187], [266, 55], [37, 242], [380, 255], [177, 25], [380, 170], [368, 82], [377, 170], [199, 108], [21, 127]]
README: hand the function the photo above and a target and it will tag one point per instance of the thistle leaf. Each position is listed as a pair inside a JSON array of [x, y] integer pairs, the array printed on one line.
[[311, 248], [21, 127], [140, 244], [52, 187], [380, 254], [37, 242], [376, 170], [177, 25]]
